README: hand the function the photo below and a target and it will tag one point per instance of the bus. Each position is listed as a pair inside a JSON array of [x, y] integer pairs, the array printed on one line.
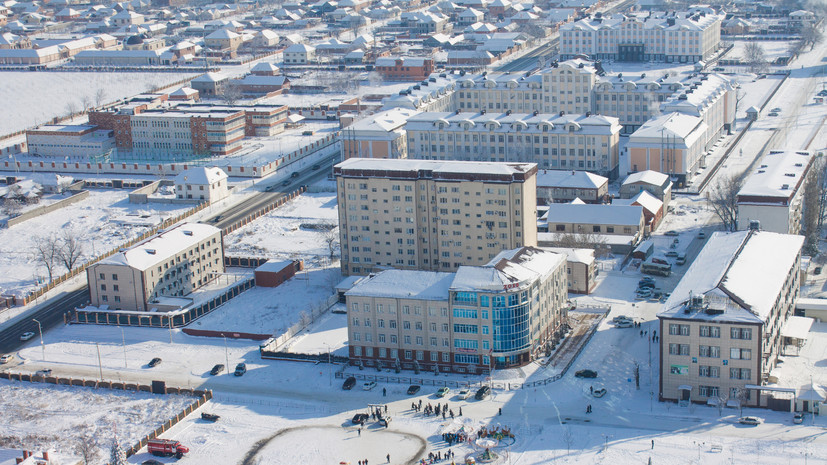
[[658, 269]]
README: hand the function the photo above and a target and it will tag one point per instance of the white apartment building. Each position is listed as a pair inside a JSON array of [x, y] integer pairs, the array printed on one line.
[[202, 184], [496, 315], [685, 37], [432, 215], [579, 142], [773, 194], [159, 271], [73, 141], [721, 327]]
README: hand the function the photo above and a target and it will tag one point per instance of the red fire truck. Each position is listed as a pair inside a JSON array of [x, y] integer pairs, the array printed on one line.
[[166, 447]]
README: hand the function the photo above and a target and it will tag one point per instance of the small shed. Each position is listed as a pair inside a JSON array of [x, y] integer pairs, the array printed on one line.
[[753, 112], [644, 250], [274, 272], [346, 284]]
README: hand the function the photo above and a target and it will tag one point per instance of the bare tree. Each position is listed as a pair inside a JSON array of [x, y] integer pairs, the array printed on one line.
[[568, 438], [71, 249], [723, 198], [230, 94], [755, 57], [331, 238], [811, 210], [12, 207], [580, 241], [100, 95], [71, 108], [85, 103], [87, 449], [47, 252], [811, 35]]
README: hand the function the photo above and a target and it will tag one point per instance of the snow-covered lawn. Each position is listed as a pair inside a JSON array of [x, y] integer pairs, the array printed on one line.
[[94, 220], [42, 416], [32, 98]]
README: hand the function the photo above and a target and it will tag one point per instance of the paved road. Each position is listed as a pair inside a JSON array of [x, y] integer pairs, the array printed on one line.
[[49, 315]]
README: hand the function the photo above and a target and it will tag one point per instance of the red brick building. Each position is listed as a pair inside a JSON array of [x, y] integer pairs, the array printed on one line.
[[405, 69]]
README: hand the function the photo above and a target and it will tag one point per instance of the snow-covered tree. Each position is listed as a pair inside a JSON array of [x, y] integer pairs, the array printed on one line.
[[117, 455]]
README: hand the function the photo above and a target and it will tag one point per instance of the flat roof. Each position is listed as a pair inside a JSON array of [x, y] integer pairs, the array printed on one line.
[[779, 174], [405, 284], [434, 166], [162, 247]]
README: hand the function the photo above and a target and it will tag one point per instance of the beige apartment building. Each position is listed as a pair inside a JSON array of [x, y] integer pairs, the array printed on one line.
[[721, 327], [377, 136], [578, 142], [432, 215], [497, 315], [156, 273]]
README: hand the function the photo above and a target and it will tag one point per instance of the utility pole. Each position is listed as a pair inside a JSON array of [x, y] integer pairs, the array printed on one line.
[[226, 353], [123, 341], [100, 365], [42, 346]]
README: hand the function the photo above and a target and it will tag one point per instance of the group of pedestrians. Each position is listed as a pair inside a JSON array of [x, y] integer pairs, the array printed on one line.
[[438, 456]]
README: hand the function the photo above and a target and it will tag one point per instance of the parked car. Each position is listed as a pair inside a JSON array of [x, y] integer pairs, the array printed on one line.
[[315, 167], [151, 462], [217, 369], [385, 421], [349, 383], [209, 417], [294, 174], [586, 374], [5, 358], [240, 369], [154, 362], [817, 270], [286, 183], [624, 323], [599, 392], [26, 336], [749, 421], [772, 113], [620, 317], [443, 391], [672, 254], [681, 259], [776, 109], [369, 385], [671, 233], [798, 418], [413, 389], [701, 235], [464, 393], [482, 393], [359, 418], [46, 372]]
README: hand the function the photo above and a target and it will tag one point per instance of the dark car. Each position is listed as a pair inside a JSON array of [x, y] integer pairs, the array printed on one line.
[[349, 383], [154, 362], [817, 270], [240, 369], [294, 174], [413, 389], [586, 374], [360, 418], [217, 369], [482, 393], [209, 417], [315, 167], [286, 183], [151, 462]]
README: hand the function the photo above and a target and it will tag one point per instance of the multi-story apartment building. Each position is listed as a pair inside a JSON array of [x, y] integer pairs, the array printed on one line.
[[685, 37], [773, 194], [496, 315], [405, 68], [721, 327], [171, 264], [558, 186], [580, 142], [432, 215]]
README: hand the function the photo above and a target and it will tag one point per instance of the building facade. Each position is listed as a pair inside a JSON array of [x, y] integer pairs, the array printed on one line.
[[498, 315], [377, 136], [579, 142], [685, 37], [557, 186], [73, 141], [721, 327], [169, 265], [773, 194], [432, 215]]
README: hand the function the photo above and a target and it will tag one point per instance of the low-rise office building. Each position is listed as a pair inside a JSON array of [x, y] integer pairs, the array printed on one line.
[[171, 264], [381, 135], [497, 315], [773, 194], [558, 186], [68, 140], [202, 184], [721, 327]]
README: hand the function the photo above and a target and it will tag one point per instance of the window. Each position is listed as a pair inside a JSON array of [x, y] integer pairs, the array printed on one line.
[[709, 351], [740, 373], [741, 333], [710, 331], [102, 276], [708, 391], [392, 324], [740, 354], [355, 321], [406, 325], [678, 330], [678, 349], [709, 372], [103, 287]]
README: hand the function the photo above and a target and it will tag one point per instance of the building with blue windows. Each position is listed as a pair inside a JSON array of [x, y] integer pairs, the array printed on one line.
[[498, 315]]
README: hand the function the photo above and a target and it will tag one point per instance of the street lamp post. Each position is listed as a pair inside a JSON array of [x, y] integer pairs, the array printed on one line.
[[226, 353], [123, 341], [42, 345], [329, 362], [100, 365]]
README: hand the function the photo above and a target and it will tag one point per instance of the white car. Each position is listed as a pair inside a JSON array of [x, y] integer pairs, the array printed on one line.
[[6, 358], [26, 336], [464, 393], [46, 372], [753, 421], [624, 323], [369, 385]]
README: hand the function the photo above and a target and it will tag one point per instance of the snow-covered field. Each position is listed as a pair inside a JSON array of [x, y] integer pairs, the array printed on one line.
[[32, 98], [93, 219], [48, 417]]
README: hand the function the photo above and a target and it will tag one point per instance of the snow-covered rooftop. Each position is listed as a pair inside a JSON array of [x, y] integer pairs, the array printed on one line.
[[648, 177], [405, 284], [436, 166], [594, 214], [743, 272], [779, 174], [570, 179], [508, 267], [162, 246]]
